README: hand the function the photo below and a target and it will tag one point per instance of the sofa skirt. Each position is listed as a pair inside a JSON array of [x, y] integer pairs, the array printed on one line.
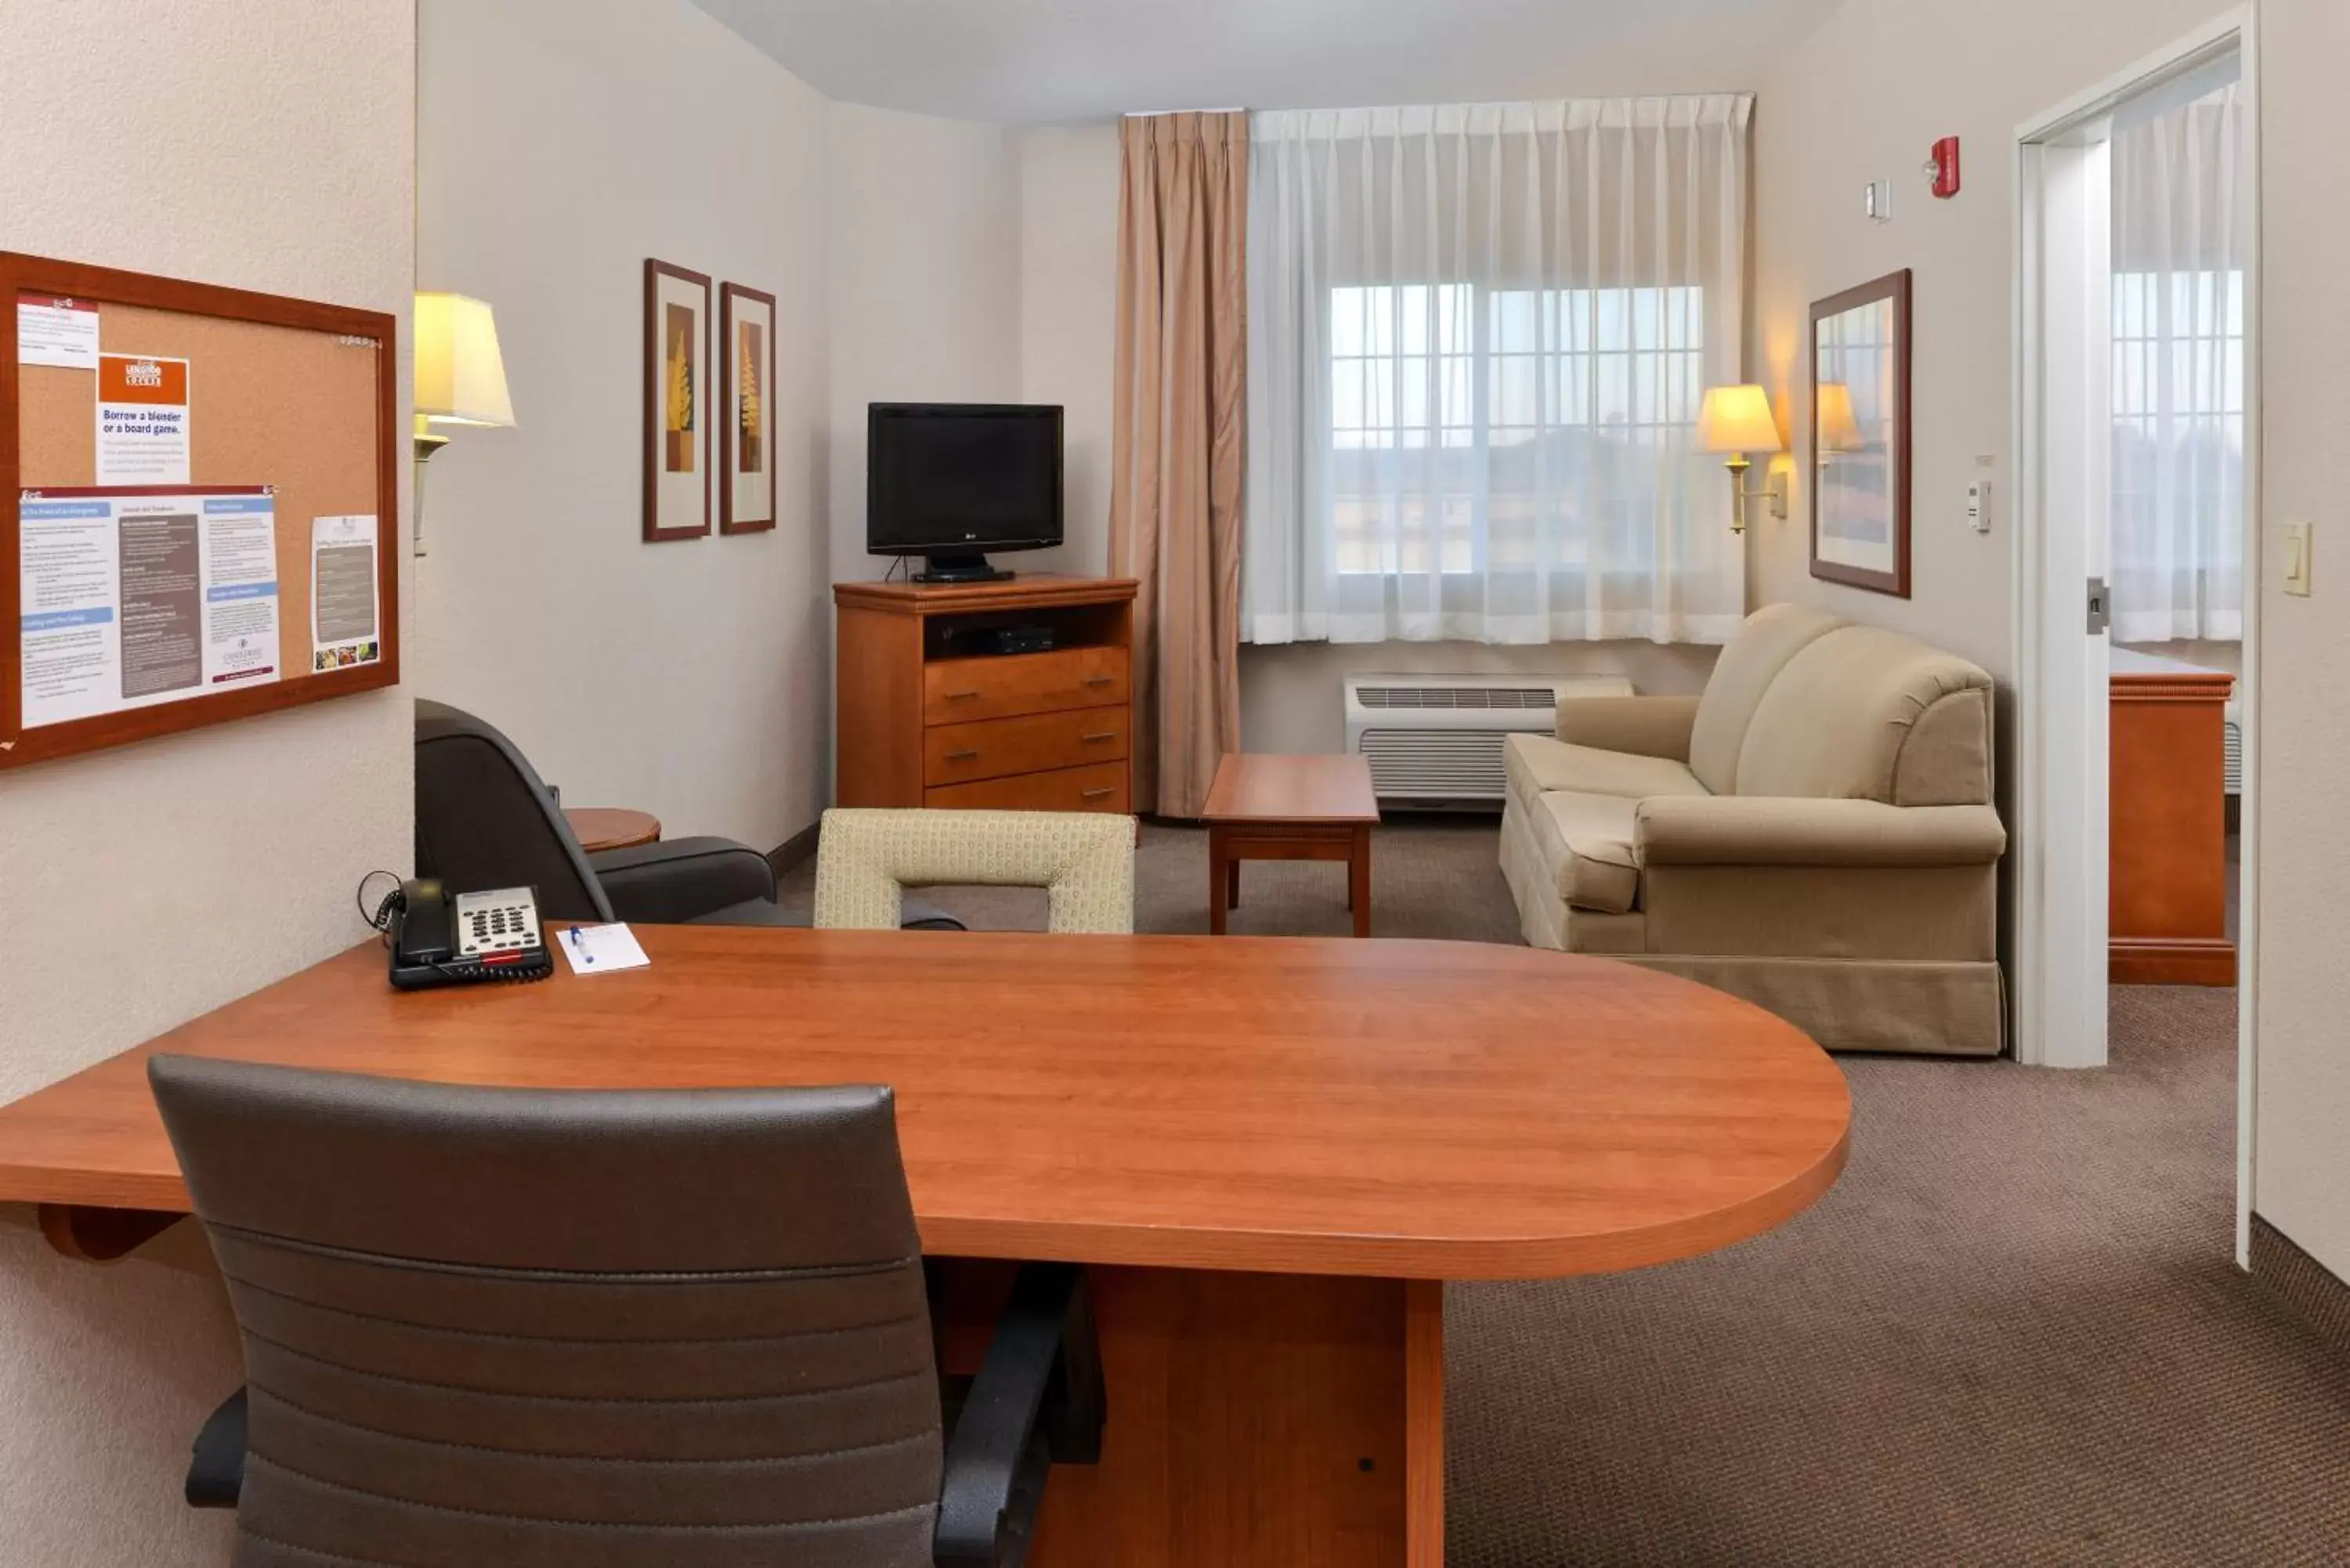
[[1921, 1007]]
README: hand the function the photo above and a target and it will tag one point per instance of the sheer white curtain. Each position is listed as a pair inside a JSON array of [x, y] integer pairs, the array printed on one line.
[[2180, 222], [1478, 337]]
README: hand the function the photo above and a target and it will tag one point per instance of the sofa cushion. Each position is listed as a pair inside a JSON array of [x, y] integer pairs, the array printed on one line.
[[1749, 664], [1841, 718], [1537, 764], [1586, 845]]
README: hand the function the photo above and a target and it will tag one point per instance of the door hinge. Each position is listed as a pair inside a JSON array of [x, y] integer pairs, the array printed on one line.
[[2101, 608]]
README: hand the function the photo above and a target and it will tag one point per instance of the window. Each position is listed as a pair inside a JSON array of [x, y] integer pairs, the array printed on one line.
[[1479, 336], [2179, 358], [1497, 384], [2177, 479], [2180, 229]]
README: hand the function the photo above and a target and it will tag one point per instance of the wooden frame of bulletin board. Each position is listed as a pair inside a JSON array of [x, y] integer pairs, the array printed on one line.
[[289, 408]]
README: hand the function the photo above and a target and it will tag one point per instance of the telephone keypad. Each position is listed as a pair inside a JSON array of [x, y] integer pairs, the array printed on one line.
[[503, 920]]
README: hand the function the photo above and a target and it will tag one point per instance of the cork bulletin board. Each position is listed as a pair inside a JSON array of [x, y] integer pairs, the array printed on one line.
[[174, 458]]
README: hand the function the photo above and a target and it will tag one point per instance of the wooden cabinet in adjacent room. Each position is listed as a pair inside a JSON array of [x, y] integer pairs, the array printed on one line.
[[1014, 695], [2167, 921]]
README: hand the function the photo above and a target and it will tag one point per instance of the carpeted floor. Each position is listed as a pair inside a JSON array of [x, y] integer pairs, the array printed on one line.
[[2013, 1333]]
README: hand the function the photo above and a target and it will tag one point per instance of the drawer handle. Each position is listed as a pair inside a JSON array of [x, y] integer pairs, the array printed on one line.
[[961, 696], [1101, 794], [962, 756], [1103, 735], [1097, 680]]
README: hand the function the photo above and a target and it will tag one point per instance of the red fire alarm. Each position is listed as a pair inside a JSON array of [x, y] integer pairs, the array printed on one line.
[[1942, 169]]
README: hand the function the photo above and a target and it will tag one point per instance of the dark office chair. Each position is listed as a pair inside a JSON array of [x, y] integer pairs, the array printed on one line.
[[484, 819], [601, 1330]]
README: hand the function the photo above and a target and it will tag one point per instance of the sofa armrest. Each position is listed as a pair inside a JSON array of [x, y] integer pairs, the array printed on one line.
[[1644, 726], [682, 879], [1782, 830]]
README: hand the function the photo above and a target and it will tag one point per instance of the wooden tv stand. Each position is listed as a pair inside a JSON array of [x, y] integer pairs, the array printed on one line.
[[923, 721]]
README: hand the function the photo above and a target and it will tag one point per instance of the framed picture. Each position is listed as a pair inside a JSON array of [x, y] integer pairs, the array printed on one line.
[[746, 437], [1860, 436], [677, 379]]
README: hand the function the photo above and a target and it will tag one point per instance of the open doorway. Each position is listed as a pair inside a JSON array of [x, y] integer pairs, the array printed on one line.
[[2137, 488]]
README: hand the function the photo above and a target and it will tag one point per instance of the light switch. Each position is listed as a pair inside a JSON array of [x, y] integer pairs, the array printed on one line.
[[1978, 494], [2296, 559]]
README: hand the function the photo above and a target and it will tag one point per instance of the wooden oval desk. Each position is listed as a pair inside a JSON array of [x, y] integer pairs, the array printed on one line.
[[1273, 1150]]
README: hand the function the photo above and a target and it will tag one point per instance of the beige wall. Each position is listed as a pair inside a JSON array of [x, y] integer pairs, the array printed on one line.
[[923, 216], [2302, 1139], [267, 144], [1069, 313], [561, 143], [1864, 99]]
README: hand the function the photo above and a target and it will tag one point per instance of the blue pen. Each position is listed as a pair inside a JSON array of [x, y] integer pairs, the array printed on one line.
[[578, 950]]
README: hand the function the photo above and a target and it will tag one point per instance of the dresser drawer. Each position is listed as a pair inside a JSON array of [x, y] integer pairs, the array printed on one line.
[[991, 748], [958, 689], [1102, 787]]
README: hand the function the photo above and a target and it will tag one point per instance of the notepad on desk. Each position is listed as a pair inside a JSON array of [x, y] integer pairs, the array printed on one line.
[[598, 949]]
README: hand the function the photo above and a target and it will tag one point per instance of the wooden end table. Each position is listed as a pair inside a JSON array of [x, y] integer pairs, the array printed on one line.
[[1290, 808], [602, 828]]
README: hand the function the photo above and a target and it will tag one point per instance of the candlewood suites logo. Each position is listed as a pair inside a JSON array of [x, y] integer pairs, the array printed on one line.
[[142, 379]]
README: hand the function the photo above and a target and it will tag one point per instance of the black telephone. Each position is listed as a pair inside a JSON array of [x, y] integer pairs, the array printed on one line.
[[439, 938]]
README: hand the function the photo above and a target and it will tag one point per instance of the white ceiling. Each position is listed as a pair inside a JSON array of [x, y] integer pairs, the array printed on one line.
[[1055, 61]]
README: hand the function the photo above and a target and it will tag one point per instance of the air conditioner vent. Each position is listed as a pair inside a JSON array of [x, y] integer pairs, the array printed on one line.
[[1449, 764], [1437, 739], [1457, 697], [2235, 754]]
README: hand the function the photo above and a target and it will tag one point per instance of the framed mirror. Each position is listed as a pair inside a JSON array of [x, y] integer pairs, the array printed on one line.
[[1860, 436]]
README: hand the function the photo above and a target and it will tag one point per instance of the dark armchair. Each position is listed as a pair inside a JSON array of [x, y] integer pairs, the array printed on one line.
[[635, 1328], [485, 819]]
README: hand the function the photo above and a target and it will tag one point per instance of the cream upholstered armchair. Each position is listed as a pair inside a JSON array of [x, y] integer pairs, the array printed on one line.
[[1085, 860]]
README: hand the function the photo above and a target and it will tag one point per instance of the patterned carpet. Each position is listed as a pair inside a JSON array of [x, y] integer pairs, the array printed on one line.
[[2013, 1333]]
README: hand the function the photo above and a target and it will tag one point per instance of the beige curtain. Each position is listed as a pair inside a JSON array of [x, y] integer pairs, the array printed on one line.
[[1175, 505]]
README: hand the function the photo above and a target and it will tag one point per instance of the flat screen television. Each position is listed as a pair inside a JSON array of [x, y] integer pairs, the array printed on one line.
[[953, 480]]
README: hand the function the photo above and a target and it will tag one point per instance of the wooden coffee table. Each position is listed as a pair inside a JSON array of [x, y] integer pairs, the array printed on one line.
[[1290, 808]]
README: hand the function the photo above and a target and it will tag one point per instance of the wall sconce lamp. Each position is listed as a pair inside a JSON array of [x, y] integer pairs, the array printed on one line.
[[460, 378], [1737, 420]]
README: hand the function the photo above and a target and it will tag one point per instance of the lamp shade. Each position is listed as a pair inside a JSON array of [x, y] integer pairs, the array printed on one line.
[[1838, 430], [460, 378], [1737, 419]]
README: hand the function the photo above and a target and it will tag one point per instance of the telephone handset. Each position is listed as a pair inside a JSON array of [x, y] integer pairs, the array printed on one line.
[[439, 937]]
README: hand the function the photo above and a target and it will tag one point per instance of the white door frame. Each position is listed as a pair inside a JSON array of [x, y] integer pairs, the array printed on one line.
[[2059, 980], [2063, 457]]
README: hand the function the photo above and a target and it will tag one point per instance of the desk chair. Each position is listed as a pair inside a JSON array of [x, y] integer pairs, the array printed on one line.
[[485, 819], [601, 1330], [865, 860]]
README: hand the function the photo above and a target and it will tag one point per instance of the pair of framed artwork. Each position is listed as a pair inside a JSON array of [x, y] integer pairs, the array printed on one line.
[[707, 437], [1860, 436]]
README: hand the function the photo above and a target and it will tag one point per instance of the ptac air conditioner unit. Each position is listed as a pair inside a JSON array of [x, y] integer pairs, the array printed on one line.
[[1435, 740]]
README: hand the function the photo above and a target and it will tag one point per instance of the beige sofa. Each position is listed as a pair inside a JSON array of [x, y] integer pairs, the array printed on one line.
[[1814, 834]]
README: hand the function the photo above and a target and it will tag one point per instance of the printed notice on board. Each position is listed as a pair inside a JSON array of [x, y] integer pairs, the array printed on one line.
[[142, 420], [51, 330], [343, 609], [132, 597]]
